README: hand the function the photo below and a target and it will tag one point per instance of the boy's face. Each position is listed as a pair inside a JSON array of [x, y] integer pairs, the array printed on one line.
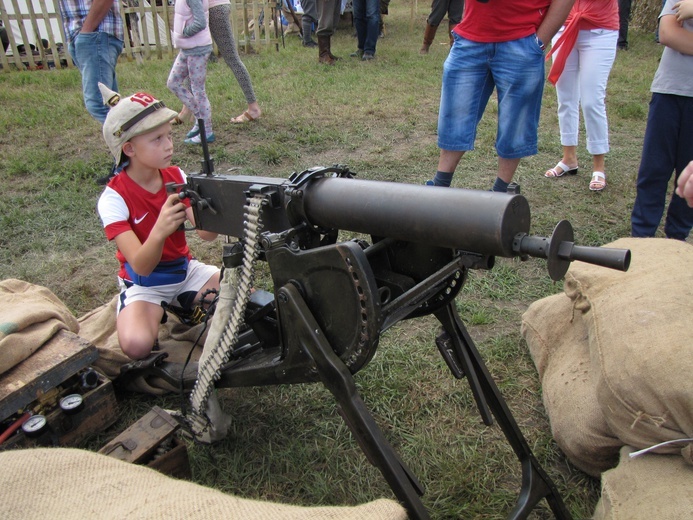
[[153, 149]]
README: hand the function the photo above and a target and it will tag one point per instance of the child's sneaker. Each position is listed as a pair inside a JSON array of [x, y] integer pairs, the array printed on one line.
[[194, 132], [197, 139]]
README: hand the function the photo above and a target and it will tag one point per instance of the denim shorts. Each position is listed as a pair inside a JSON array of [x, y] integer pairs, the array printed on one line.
[[471, 72]]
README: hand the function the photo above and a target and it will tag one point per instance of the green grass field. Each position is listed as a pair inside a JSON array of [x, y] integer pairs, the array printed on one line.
[[288, 444]]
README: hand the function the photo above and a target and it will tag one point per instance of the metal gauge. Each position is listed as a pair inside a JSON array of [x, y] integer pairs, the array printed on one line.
[[34, 426], [72, 403]]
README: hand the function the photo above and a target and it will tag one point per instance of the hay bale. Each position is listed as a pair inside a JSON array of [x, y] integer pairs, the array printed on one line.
[[645, 14]]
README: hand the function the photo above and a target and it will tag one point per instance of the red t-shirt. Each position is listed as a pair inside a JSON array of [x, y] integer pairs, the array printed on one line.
[[126, 206], [501, 20]]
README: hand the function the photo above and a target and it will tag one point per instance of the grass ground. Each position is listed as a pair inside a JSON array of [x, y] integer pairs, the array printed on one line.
[[287, 443]]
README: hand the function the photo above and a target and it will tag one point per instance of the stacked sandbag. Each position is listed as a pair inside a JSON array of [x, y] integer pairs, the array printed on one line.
[[648, 486], [641, 340], [559, 346], [30, 315], [614, 354], [67, 483]]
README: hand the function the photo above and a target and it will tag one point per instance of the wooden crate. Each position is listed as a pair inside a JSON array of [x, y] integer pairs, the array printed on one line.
[[39, 381], [151, 441]]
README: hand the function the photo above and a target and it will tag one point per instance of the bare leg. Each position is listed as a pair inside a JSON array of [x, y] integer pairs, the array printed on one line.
[[138, 328], [570, 156], [251, 114], [506, 168], [185, 115], [448, 161], [598, 163]]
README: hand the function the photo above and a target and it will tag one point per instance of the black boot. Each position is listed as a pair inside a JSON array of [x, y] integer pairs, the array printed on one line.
[[307, 26]]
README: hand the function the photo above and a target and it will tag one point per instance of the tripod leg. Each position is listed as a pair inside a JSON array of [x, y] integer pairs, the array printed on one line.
[[456, 355], [536, 484], [339, 381]]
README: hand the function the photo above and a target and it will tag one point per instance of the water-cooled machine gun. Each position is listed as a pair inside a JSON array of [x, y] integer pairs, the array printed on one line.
[[332, 298]]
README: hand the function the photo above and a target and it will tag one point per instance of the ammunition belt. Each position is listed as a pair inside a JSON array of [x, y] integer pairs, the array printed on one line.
[[209, 371]]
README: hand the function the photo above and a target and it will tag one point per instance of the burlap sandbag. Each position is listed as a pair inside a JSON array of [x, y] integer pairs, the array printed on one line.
[[29, 316], [647, 487], [175, 338], [68, 483], [641, 340], [558, 343]]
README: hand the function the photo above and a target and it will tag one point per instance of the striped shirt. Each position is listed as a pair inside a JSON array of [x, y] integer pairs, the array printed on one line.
[[73, 13]]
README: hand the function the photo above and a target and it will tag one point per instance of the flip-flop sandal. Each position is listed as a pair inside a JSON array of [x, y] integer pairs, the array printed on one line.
[[245, 117], [553, 172], [598, 182]]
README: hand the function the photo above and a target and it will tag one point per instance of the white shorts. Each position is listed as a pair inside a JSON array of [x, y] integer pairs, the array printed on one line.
[[180, 294]]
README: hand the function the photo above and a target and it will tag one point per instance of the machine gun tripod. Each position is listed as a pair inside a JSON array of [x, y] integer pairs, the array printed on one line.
[[333, 300]]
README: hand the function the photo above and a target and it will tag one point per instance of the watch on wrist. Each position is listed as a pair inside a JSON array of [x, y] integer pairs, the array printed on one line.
[[540, 43]]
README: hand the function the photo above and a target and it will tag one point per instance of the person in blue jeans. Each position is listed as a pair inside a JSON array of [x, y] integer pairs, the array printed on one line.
[[668, 144], [498, 45], [94, 30], [367, 23]]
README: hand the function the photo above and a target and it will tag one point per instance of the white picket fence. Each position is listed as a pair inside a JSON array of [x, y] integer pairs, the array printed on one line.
[[37, 38]]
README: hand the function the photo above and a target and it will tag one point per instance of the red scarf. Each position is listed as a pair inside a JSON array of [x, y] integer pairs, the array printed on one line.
[[585, 15]]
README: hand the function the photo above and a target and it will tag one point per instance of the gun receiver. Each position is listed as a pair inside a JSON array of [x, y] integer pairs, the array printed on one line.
[[332, 300], [482, 222]]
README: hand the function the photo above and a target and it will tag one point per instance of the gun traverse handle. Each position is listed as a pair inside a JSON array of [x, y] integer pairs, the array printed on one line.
[[559, 251]]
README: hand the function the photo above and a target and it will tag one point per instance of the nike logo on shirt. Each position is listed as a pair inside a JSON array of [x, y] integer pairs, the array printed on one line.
[[138, 220]]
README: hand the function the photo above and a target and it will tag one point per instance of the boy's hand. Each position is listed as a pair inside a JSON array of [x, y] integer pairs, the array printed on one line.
[[683, 10], [172, 215]]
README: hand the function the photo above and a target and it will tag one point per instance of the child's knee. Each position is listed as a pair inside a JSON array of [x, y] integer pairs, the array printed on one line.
[[136, 346]]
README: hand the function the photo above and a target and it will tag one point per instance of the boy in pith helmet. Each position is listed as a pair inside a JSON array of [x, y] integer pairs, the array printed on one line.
[[156, 267]]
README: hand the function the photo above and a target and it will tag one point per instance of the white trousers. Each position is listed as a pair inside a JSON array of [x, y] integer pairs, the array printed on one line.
[[583, 82]]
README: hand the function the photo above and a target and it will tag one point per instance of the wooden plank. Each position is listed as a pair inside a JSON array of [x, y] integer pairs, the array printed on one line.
[[246, 21], [174, 462], [155, 24], [37, 33], [136, 41], [127, 48], [138, 443], [51, 40], [168, 17], [59, 358], [13, 43], [25, 37], [143, 22], [6, 23], [66, 53], [256, 20]]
